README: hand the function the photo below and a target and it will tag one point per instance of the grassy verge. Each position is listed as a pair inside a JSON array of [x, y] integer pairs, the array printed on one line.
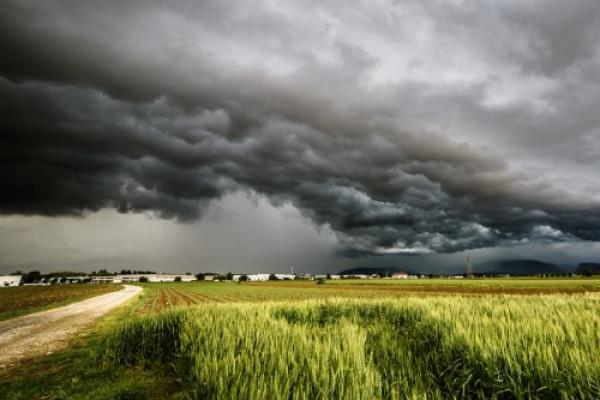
[[78, 373]]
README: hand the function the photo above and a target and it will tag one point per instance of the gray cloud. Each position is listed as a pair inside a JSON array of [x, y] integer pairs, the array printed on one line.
[[402, 128]]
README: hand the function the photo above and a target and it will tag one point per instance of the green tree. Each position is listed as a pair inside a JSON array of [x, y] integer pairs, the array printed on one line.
[[32, 277]]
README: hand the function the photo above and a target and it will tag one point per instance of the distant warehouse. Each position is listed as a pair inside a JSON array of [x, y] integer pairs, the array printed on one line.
[[10, 280], [252, 277], [143, 277]]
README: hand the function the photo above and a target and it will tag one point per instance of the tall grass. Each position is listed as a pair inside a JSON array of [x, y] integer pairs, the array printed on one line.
[[505, 347]]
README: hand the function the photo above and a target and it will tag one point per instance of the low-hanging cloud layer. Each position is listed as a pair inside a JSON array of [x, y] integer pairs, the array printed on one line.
[[404, 127]]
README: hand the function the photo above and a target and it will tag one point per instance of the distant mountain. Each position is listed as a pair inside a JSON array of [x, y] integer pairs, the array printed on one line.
[[518, 267], [513, 267], [375, 270], [594, 268]]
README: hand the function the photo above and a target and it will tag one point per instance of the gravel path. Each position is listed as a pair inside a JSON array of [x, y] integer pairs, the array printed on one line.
[[47, 331]]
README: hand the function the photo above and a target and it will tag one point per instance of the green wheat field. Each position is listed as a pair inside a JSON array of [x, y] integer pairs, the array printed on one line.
[[477, 339], [492, 347]]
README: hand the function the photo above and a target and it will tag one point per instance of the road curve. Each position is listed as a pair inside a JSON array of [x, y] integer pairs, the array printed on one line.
[[47, 331]]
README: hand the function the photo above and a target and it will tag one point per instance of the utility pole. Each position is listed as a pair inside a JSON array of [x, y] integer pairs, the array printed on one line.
[[468, 266]]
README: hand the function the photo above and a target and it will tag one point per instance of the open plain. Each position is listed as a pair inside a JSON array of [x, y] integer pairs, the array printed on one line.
[[352, 339]]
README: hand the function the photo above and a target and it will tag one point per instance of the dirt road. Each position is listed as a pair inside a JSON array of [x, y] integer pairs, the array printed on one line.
[[47, 331]]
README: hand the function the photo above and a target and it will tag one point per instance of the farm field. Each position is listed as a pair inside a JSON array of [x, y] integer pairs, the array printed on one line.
[[16, 301], [167, 295], [511, 283], [496, 347], [534, 339]]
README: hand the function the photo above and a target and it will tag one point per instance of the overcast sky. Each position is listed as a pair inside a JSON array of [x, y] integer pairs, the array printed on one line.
[[257, 135]]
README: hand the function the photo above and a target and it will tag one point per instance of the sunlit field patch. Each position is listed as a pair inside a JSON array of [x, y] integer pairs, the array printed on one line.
[[494, 347], [15, 301], [168, 295]]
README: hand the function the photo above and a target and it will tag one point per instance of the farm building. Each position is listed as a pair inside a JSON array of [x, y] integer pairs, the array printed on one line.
[[251, 277], [10, 280], [157, 277], [399, 275], [323, 276], [285, 276], [356, 276], [106, 279], [136, 278], [258, 277], [76, 279]]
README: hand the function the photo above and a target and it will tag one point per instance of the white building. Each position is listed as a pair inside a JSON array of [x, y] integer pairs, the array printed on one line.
[[149, 277], [106, 279], [252, 277], [399, 275], [10, 280], [158, 277], [285, 276], [264, 277], [323, 276], [258, 277], [76, 279], [355, 276]]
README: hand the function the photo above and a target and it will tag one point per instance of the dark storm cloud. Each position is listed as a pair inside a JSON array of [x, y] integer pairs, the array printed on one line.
[[154, 108]]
